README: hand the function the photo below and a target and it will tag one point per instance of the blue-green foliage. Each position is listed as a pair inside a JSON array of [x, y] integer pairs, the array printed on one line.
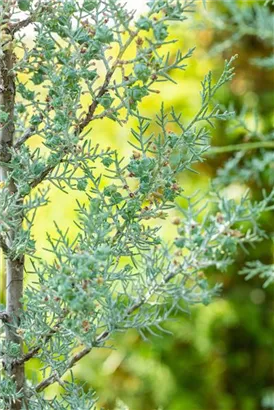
[[117, 273]]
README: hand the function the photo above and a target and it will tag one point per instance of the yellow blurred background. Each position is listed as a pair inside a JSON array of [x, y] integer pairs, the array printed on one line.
[[219, 357]]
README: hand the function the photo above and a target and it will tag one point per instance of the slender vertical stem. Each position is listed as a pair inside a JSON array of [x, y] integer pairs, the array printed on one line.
[[14, 267]]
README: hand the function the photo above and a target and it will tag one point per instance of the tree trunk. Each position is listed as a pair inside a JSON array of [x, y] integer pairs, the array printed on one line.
[[15, 267]]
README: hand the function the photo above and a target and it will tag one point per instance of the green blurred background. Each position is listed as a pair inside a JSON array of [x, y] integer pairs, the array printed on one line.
[[219, 357]]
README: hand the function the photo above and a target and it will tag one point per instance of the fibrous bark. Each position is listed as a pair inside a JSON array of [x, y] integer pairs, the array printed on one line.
[[14, 266]]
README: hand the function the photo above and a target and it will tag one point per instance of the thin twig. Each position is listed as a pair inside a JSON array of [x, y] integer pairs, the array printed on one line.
[[33, 352], [21, 24], [103, 336], [28, 133], [240, 147], [31, 19]]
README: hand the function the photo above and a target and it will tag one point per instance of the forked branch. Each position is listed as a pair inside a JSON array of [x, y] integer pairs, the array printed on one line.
[[104, 335]]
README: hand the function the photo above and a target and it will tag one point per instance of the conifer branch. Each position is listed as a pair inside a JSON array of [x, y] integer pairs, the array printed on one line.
[[35, 350], [89, 116], [27, 134], [40, 9], [103, 336]]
